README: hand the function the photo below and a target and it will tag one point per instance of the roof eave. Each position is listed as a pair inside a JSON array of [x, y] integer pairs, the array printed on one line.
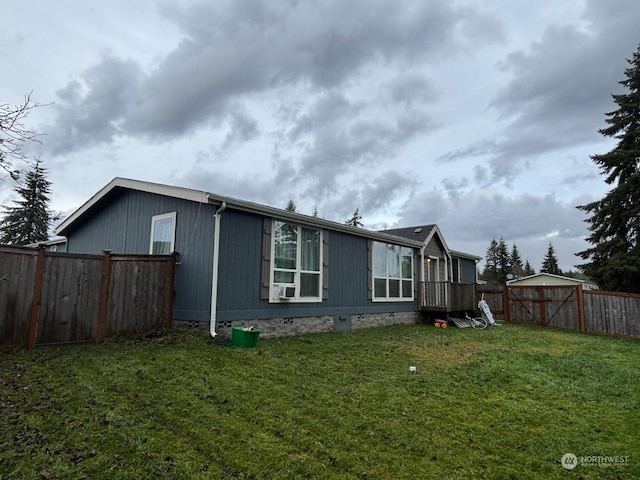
[[119, 182], [300, 218], [215, 199]]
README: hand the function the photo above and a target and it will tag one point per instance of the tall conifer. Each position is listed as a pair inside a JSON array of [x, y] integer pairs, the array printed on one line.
[[29, 219], [614, 221], [550, 262]]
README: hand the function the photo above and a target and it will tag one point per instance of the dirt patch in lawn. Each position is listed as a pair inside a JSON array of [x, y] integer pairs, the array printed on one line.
[[447, 353]]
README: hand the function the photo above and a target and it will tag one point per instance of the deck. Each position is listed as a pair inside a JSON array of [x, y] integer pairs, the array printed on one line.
[[448, 297]]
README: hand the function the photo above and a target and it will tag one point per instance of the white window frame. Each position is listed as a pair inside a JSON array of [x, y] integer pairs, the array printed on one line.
[[274, 288], [388, 276], [456, 272], [157, 218], [433, 265]]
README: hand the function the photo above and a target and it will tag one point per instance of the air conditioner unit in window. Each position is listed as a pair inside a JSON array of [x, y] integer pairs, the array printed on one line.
[[287, 292]]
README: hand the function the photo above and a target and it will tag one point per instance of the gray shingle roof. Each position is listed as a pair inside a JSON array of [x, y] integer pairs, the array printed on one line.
[[418, 233]]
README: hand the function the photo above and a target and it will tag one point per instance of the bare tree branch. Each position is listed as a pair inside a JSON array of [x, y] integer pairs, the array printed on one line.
[[14, 134]]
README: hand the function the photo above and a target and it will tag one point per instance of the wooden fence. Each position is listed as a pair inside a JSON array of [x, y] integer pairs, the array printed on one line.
[[568, 307], [60, 298]]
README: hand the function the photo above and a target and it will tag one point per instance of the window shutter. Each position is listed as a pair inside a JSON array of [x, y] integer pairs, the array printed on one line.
[[370, 269], [325, 265], [265, 277]]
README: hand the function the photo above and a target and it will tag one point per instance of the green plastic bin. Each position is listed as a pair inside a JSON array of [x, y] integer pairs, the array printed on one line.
[[242, 338]]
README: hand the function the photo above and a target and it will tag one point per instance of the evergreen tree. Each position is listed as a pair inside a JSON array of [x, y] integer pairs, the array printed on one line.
[[528, 269], [497, 262], [29, 219], [315, 212], [490, 271], [550, 262], [504, 261], [291, 207], [517, 268], [614, 221], [355, 220]]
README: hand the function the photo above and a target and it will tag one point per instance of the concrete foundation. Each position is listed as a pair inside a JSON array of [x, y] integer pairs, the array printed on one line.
[[291, 326]]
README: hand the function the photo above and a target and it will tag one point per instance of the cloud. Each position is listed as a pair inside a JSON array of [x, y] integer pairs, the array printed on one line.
[[338, 135], [89, 110], [241, 185], [410, 89], [469, 220], [376, 196], [231, 51], [558, 90], [479, 214], [243, 127]]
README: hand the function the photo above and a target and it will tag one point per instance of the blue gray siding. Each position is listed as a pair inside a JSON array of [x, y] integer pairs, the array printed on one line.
[[435, 249], [121, 222], [240, 276]]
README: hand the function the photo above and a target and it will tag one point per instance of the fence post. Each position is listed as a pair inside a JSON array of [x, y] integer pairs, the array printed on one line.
[[581, 322], [172, 270], [104, 295], [505, 302], [35, 301]]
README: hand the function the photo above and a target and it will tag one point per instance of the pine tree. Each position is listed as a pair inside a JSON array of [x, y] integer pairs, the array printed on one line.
[[497, 262], [29, 219], [550, 262], [614, 222], [490, 271], [504, 261], [291, 207], [517, 269], [528, 269], [355, 220]]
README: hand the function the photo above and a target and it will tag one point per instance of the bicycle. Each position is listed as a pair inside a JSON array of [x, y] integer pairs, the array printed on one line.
[[479, 323]]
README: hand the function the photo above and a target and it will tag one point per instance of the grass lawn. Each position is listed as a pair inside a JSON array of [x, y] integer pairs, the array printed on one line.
[[507, 402]]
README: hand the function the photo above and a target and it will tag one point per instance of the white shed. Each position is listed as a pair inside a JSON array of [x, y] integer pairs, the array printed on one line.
[[548, 279]]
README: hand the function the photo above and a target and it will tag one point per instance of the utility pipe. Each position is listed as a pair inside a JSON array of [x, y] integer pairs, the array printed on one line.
[[214, 274]]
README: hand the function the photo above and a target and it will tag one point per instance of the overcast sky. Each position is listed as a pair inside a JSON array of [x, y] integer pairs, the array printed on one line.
[[477, 116]]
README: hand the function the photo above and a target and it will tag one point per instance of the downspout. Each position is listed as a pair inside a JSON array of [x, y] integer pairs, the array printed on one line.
[[422, 287], [214, 273]]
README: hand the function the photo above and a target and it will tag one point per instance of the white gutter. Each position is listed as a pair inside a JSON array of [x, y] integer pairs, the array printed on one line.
[[214, 274], [421, 286]]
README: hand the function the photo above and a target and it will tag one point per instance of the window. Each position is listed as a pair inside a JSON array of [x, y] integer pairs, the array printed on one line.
[[455, 270], [392, 272], [296, 263], [163, 234]]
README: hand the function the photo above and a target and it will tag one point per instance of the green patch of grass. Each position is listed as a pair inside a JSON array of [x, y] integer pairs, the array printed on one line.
[[506, 402]]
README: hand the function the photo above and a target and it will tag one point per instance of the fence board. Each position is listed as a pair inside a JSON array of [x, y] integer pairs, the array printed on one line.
[[522, 307], [572, 308], [612, 313], [139, 290], [68, 308], [17, 277], [561, 307], [69, 303], [494, 298]]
